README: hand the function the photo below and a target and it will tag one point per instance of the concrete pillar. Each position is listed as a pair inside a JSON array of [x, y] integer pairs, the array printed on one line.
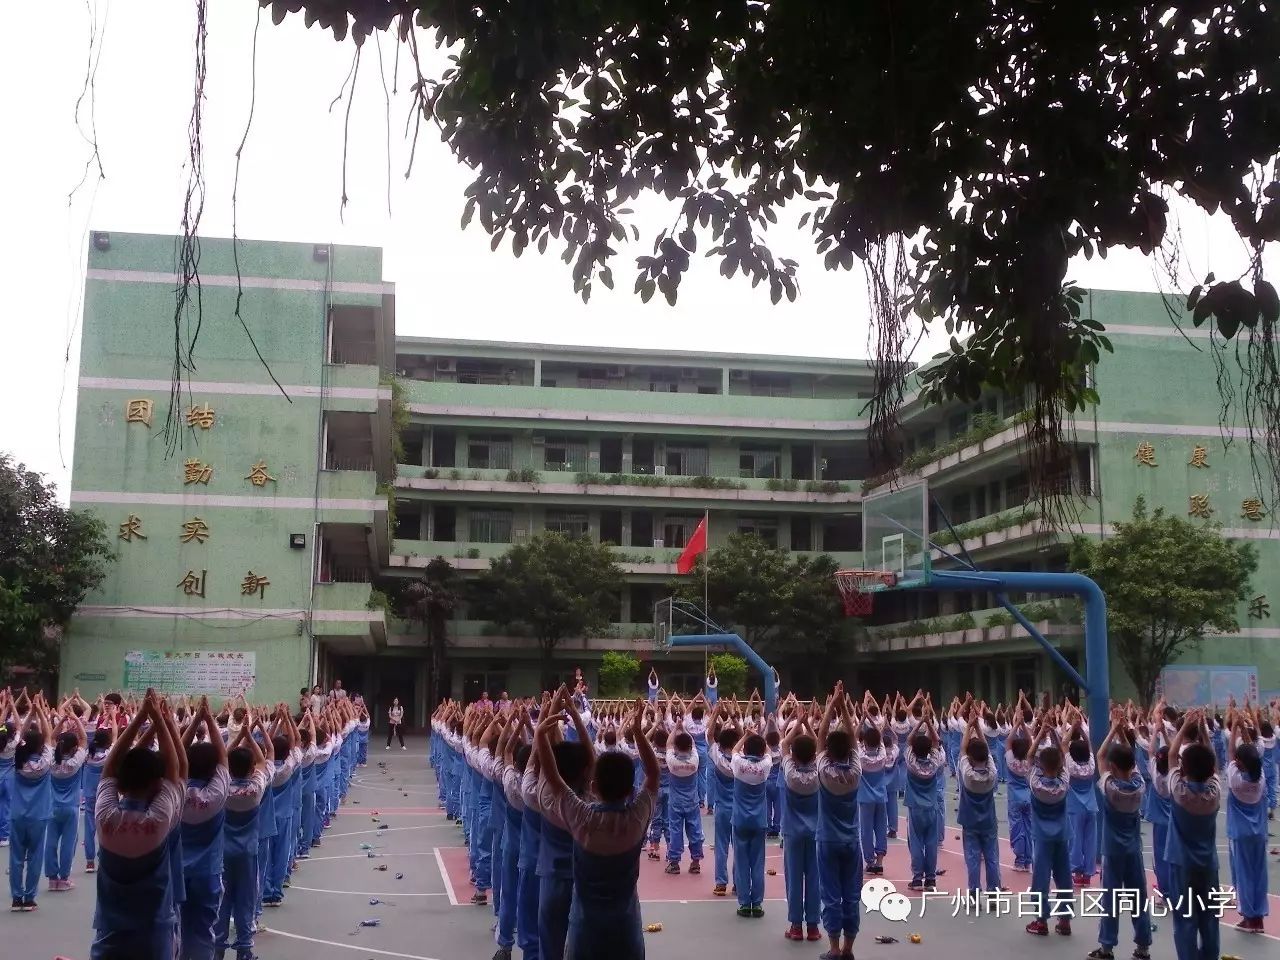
[[424, 523], [537, 371], [627, 452], [724, 380], [626, 529]]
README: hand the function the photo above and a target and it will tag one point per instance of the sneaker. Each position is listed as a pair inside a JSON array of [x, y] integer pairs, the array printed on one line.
[[757, 911], [1079, 880], [814, 935], [481, 899], [387, 747], [673, 867], [1038, 928], [916, 884], [1063, 927], [89, 866], [719, 890], [29, 906], [304, 856], [1102, 953], [653, 854], [941, 871], [404, 748], [4, 842], [744, 911], [930, 884], [794, 932], [892, 834], [502, 953], [1141, 953], [17, 905], [315, 843], [695, 868]]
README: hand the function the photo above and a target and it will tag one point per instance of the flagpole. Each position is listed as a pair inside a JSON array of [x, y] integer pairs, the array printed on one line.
[[706, 576]]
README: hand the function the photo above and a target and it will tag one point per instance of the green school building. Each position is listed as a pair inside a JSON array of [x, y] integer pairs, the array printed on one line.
[[255, 510]]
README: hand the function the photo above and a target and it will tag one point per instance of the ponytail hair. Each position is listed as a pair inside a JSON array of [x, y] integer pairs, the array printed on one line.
[[32, 745], [63, 746]]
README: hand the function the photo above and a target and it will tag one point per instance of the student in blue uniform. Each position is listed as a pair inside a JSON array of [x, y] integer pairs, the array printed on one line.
[[653, 687], [900, 724], [203, 814], [926, 766], [284, 744], [1270, 754], [1247, 826], [713, 688], [684, 813], [1082, 806], [1017, 769], [67, 781], [10, 737], [99, 746], [1196, 796], [878, 760], [750, 765], [512, 822], [978, 776], [31, 807], [773, 786], [138, 808], [607, 838], [658, 830], [799, 750], [696, 725], [1122, 786], [524, 764], [839, 858], [249, 773], [720, 753], [1049, 840], [307, 785]]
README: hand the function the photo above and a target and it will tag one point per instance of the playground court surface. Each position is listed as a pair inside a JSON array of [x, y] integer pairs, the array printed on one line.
[[425, 915]]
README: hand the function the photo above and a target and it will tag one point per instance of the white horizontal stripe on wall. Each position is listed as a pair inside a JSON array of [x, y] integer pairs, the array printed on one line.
[[237, 389], [214, 500], [227, 613], [604, 416], [378, 288]]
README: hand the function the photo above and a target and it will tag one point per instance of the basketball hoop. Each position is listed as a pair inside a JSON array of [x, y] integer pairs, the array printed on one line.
[[855, 589]]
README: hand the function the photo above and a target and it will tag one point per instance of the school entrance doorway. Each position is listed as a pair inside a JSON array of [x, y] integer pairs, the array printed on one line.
[[382, 679]]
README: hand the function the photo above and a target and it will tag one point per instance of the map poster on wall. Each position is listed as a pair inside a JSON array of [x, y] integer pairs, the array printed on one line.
[[1196, 686], [189, 671]]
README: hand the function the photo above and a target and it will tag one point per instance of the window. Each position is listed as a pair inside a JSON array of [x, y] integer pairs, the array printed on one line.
[[766, 528], [676, 530], [548, 383], [489, 452], [759, 462], [641, 528], [659, 385], [565, 454], [842, 534], [801, 533], [490, 526], [596, 377], [445, 519], [708, 390], [770, 385], [611, 527], [958, 424], [568, 523], [1019, 488], [610, 454], [686, 461], [802, 461]]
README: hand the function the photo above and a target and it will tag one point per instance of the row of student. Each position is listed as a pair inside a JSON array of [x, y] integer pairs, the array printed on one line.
[[837, 768], [198, 820]]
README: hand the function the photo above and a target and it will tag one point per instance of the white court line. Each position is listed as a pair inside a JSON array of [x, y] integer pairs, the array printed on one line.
[[348, 946], [444, 875], [361, 833], [369, 786], [362, 856], [366, 893]]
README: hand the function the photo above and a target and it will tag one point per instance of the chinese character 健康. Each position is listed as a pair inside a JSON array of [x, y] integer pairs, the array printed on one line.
[[1146, 455], [1199, 457]]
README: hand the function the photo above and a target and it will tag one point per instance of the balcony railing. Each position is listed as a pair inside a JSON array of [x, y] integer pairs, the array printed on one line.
[[332, 462]]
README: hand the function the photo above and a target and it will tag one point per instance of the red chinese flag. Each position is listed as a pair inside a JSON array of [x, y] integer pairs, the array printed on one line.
[[697, 544]]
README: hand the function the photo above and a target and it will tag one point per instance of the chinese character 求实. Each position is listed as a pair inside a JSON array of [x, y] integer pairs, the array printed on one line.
[[194, 529], [201, 417], [131, 528], [192, 585], [1259, 608], [1198, 506], [138, 411], [258, 475], [1251, 509], [1199, 457], [254, 583], [1146, 455], [193, 471]]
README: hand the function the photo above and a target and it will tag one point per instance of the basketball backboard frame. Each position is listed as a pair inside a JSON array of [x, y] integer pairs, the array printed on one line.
[[895, 526]]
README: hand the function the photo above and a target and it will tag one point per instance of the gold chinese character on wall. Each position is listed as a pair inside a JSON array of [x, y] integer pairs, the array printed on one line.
[[1146, 454], [1251, 509], [258, 475], [201, 417], [254, 583], [1199, 506], [138, 411], [1259, 607], [1199, 457], [193, 585], [193, 471], [194, 529], [131, 529]]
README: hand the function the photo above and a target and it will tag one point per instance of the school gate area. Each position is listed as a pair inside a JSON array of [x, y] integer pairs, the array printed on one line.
[[424, 915]]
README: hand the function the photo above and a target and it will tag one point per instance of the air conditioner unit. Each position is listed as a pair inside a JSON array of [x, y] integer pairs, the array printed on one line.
[[660, 470], [538, 440], [739, 375], [689, 373], [446, 364], [616, 373], [659, 543]]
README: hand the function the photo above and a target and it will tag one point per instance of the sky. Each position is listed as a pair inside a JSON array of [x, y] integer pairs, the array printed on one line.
[[448, 282]]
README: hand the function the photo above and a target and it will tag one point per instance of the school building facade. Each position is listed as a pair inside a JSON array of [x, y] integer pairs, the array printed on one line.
[[254, 543]]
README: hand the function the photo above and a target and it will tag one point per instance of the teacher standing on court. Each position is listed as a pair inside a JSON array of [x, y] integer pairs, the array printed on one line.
[[395, 718]]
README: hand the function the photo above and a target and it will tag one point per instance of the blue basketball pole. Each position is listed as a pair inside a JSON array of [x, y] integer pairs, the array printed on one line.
[[741, 646], [1097, 679]]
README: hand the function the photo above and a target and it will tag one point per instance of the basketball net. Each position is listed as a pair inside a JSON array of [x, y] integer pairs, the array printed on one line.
[[855, 592]]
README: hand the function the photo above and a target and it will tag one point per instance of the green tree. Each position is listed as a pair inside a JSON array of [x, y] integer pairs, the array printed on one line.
[[1168, 582], [554, 585], [431, 601], [50, 557], [731, 674], [786, 607], [617, 674], [984, 145]]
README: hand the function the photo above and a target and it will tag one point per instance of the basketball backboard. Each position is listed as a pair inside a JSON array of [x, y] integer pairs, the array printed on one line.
[[895, 534]]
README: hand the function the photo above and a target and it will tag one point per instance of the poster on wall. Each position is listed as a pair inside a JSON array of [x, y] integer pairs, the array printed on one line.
[[1195, 686], [189, 671]]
